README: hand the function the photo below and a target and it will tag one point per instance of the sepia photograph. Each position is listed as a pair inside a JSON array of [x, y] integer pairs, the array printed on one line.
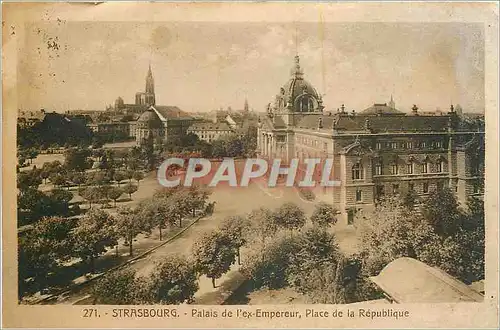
[[258, 165]]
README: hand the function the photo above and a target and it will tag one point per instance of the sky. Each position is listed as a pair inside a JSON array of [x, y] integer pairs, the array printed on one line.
[[201, 66]]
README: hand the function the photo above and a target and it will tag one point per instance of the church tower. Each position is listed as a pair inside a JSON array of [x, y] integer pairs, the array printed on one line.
[[392, 104], [150, 88]]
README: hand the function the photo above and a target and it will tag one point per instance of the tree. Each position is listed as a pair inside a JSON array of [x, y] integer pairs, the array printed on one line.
[[219, 148], [442, 211], [102, 193], [177, 206], [44, 175], [392, 231], [213, 255], [410, 199], [77, 159], [100, 178], [43, 248], [97, 142], [289, 216], [324, 215], [94, 233], [129, 224], [196, 198], [78, 178], [166, 192], [462, 253], [129, 174], [236, 228], [114, 194], [34, 204], [173, 281], [60, 200], [28, 179], [130, 189], [117, 288], [21, 159], [262, 223], [90, 194], [234, 146], [267, 264], [32, 154], [138, 176], [58, 179], [313, 247], [156, 211], [119, 177]]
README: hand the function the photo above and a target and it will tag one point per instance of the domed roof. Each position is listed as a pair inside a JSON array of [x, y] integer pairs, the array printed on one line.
[[150, 119], [298, 95], [297, 85]]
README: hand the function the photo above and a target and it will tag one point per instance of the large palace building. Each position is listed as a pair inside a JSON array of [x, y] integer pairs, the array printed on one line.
[[377, 152]]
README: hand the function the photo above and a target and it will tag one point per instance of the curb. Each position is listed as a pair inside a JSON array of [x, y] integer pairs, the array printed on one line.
[[140, 256]]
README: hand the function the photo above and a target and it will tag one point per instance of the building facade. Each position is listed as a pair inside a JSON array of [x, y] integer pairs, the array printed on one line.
[[377, 152], [210, 131], [149, 128]]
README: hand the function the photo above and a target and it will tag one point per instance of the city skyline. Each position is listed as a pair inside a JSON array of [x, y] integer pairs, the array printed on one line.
[[81, 65]]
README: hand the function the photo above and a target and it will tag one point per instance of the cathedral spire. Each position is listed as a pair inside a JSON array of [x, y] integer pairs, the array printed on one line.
[[392, 104], [150, 88]]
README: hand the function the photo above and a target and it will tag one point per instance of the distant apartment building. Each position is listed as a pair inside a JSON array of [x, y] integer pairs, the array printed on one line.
[[210, 131]]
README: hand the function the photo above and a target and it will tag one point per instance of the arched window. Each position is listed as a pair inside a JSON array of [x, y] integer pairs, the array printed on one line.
[[394, 168], [426, 165], [357, 171], [409, 168], [440, 166], [304, 104]]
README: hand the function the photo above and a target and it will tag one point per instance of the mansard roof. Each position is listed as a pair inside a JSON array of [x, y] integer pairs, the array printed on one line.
[[170, 112], [385, 123], [275, 122], [210, 126]]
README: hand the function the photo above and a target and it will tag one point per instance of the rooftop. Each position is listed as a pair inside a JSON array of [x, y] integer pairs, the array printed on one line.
[[210, 126], [407, 280]]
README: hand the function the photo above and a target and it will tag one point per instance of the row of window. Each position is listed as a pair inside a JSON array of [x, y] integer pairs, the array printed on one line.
[[211, 136], [395, 189], [310, 142], [357, 169], [411, 187], [306, 141], [408, 145]]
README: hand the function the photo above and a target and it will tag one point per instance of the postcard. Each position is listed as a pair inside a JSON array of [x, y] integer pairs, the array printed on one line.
[[250, 165]]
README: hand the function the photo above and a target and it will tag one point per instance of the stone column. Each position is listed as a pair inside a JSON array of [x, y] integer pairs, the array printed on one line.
[[265, 144]]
